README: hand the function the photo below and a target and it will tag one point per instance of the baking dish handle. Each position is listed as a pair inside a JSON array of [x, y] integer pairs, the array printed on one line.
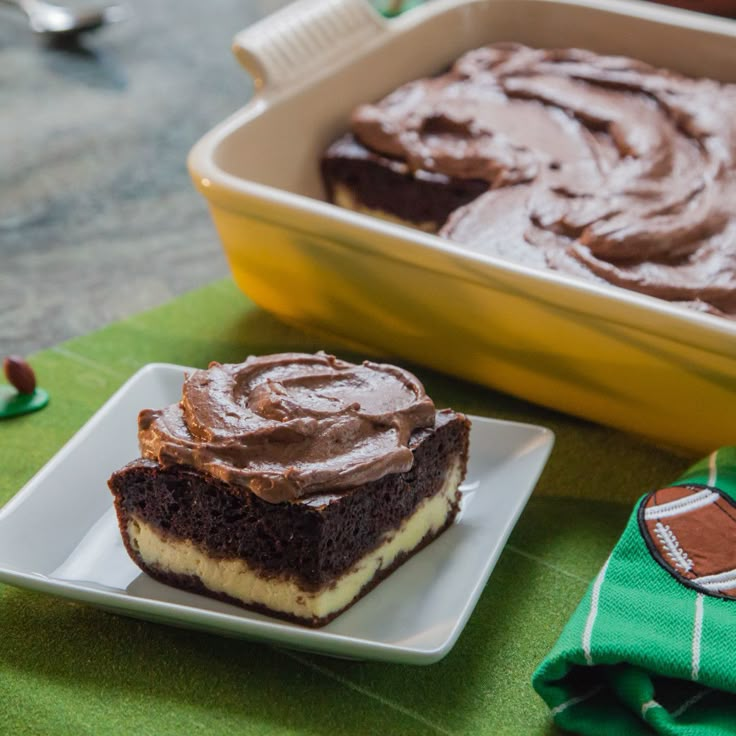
[[305, 36]]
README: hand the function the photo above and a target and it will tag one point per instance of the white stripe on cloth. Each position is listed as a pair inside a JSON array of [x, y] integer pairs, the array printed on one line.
[[574, 701], [691, 701], [588, 631], [648, 706], [698, 622], [697, 634], [712, 467]]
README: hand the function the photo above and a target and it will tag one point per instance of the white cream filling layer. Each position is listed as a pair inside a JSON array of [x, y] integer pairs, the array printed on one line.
[[237, 579], [343, 197]]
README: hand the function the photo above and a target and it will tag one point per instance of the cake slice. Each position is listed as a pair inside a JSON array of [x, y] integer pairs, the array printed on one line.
[[290, 484]]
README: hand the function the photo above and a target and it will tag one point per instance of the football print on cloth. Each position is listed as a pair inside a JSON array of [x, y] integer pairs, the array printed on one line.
[[691, 531]]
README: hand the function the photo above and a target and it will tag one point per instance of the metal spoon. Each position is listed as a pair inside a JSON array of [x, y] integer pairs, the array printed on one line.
[[56, 20]]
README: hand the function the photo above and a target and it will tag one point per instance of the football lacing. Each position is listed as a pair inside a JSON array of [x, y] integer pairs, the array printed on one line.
[[673, 549]]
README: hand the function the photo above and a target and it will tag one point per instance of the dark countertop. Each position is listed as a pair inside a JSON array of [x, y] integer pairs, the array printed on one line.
[[98, 216]]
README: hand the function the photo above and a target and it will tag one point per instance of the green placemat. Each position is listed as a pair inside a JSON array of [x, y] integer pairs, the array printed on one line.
[[69, 669]]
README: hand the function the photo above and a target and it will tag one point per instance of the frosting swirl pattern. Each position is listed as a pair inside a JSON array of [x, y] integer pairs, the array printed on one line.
[[602, 167], [291, 424]]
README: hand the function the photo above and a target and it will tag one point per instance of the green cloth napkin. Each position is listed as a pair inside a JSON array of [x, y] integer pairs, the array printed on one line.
[[652, 646]]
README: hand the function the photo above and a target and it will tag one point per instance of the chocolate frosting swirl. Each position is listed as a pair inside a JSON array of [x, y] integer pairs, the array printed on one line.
[[602, 167], [291, 424]]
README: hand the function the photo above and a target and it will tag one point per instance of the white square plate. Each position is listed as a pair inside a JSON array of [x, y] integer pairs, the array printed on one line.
[[59, 535]]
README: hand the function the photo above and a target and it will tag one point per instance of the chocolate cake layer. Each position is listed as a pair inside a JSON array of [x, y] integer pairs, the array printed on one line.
[[181, 563], [300, 605], [386, 186], [312, 540]]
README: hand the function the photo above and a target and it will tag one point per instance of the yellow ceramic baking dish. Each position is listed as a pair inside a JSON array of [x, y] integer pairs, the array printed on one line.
[[607, 354]]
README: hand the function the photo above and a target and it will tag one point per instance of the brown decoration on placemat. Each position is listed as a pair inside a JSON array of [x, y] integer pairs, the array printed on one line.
[[22, 396]]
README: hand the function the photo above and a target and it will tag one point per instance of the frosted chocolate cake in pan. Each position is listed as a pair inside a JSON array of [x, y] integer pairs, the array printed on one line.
[[290, 484], [600, 167]]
